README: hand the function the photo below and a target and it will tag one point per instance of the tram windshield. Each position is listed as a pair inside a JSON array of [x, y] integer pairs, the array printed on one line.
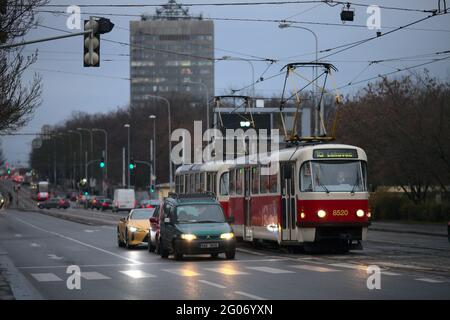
[[333, 176]]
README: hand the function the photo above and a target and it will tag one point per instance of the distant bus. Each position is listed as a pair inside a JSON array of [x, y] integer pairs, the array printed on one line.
[[42, 191]]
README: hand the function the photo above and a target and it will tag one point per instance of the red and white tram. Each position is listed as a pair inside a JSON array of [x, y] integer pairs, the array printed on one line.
[[312, 194]]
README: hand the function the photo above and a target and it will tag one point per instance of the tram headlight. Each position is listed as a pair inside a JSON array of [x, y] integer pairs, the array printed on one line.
[[302, 215], [360, 213], [369, 214], [321, 214]]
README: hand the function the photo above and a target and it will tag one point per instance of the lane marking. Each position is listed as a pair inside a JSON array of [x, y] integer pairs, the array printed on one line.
[[270, 270], [90, 231], [228, 271], [46, 277], [78, 241], [183, 272], [398, 265], [212, 284], [18, 235], [137, 274], [250, 252], [314, 268], [388, 273], [35, 245], [429, 280], [54, 257], [349, 266], [249, 295], [93, 275]]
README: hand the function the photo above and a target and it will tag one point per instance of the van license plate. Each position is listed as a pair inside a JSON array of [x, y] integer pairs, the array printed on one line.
[[209, 245]]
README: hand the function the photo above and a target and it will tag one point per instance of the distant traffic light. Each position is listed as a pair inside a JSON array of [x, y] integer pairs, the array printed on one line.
[[102, 162], [91, 56], [132, 164], [9, 171], [152, 188]]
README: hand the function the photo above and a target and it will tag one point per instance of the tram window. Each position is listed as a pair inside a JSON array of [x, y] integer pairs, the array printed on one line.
[[187, 182], [214, 185], [232, 179], [202, 181], [264, 183], [273, 183], [224, 184], [255, 180], [177, 184], [192, 184], [239, 176]]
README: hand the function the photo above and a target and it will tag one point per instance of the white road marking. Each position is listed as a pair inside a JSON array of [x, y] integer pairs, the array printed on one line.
[[398, 265], [90, 230], [137, 274], [429, 280], [349, 266], [46, 277], [35, 245], [249, 295], [18, 235], [270, 270], [78, 241], [183, 272], [388, 273], [314, 268], [250, 252], [228, 271], [54, 257], [92, 275], [212, 284]]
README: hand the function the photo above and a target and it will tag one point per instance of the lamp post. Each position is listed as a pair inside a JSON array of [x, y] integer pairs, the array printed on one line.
[[285, 25], [206, 99], [170, 132], [92, 150], [81, 149], [153, 160], [129, 151], [252, 67]]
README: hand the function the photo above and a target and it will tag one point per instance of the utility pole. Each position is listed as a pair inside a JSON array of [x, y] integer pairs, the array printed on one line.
[[123, 166]]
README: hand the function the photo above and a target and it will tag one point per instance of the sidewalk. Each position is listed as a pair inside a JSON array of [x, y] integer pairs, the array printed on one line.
[[438, 230]]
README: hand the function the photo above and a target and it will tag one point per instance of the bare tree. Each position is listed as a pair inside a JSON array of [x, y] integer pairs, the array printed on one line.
[[17, 100]]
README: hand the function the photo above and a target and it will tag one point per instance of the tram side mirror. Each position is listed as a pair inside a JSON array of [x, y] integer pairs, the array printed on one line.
[[167, 220], [287, 172]]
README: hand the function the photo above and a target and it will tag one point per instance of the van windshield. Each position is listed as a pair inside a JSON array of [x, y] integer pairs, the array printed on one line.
[[200, 213]]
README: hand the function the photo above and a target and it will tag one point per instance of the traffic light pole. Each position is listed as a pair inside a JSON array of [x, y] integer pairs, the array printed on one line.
[[19, 44]]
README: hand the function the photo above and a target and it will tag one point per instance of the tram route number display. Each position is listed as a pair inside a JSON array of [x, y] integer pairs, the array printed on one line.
[[335, 154]]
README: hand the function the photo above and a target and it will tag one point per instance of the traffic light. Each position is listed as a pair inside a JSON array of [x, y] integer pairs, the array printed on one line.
[[132, 164], [152, 188], [102, 162], [91, 56], [9, 171]]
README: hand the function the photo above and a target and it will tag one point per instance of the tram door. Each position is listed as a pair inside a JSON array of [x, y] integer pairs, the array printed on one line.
[[247, 203], [288, 201]]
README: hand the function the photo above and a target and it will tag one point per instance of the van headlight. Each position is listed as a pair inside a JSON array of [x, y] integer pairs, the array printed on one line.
[[133, 229], [227, 236], [360, 213], [188, 236], [321, 214]]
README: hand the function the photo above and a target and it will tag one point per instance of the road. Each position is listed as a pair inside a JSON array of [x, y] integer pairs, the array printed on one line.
[[37, 249]]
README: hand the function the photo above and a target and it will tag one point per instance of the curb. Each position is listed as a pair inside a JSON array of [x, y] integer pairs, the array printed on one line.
[[75, 218], [423, 233]]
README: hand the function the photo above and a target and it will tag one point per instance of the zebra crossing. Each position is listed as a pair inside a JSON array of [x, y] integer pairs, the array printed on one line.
[[225, 270]]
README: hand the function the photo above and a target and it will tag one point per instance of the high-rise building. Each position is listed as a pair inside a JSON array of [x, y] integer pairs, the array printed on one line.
[[171, 52]]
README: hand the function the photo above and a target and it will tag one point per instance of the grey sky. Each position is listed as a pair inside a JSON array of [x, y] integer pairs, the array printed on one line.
[[69, 87]]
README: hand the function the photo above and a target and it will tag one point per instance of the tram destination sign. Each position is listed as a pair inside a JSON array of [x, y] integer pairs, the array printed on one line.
[[335, 154]]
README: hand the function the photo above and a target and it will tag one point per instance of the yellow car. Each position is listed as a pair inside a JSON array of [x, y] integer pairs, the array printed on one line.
[[133, 230]]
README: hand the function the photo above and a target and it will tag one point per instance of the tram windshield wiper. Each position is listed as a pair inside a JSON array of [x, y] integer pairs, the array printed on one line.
[[356, 184], [322, 185]]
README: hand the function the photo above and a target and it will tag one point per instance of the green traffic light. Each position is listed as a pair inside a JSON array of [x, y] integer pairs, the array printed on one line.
[[102, 164], [131, 166]]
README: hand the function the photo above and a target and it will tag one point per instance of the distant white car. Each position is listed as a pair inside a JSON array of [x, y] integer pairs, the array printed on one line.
[[124, 200]]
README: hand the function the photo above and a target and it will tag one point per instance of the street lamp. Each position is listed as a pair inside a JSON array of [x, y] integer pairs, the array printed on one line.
[[128, 130], [170, 132], [92, 148], [251, 65], [284, 25], [81, 149], [153, 180], [206, 99]]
